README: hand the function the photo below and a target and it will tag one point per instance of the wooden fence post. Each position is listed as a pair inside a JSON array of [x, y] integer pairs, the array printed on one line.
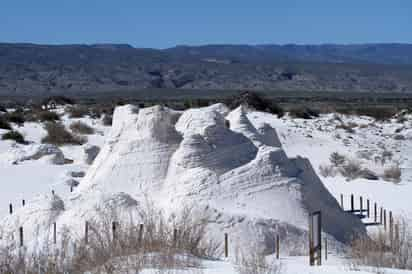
[[54, 233], [277, 246], [140, 234], [21, 236], [384, 219], [326, 249], [368, 208], [361, 205], [381, 216], [352, 203], [11, 209], [86, 232], [391, 228], [375, 212], [341, 201], [226, 245], [396, 247], [114, 230], [23, 202], [175, 238]]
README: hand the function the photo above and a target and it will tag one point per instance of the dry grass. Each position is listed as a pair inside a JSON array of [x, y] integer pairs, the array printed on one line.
[[393, 174], [380, 252], [127, 250], [251, 261]]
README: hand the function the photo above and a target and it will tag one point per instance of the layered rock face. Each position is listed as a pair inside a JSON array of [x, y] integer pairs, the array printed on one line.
[[210, 159]]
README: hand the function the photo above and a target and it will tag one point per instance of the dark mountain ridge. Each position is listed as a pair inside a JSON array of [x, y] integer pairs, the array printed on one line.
[[30, 69]]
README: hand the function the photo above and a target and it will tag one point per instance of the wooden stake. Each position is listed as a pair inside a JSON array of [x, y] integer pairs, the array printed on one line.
[[361, 205], [226, 245], [11, 209], [21, 236], [381, 216], [326, 249], [376, 212], [54, 233], [175, 237], [23, 202], [391, 228], [277, 246], [86, 232], [384, 219], [140, 234], [114, 230], [352, 203], [368, 208], [341, 201]]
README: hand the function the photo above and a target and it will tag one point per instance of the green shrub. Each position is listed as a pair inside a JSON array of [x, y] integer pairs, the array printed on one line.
[[81, 128], [15, 136], [57, 134]]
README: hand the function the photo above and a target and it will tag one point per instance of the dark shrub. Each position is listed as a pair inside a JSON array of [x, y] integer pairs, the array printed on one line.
[[257, 102], [378, 113], [303, 113], [16, 117], [59, 100], [15, 136], [107, 120], [78, 111], [4, 124], [47, 116], [57, 134], [81, 128]]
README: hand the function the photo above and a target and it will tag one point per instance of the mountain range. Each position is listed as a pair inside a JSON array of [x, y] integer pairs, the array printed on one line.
[[30, 69]]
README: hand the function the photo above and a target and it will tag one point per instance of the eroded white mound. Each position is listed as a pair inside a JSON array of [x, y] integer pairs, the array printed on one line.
[[216, 161]]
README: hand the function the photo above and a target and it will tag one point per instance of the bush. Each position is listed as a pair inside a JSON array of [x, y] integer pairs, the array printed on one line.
[[337, 159], [327, 171], [107, 120], [351, 169], [303, 113], [254, 262], [47, 116], [58, 135], [378, 113], [393, 174], [257, 102], [78, 111], [15, 136], [16, 117], [81, 128], [4, 124]]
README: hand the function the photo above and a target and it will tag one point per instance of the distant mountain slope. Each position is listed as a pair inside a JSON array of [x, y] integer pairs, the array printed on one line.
[[28, 69]]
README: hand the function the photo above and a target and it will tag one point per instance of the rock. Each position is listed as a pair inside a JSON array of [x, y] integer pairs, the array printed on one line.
[[56, 203], [368, 174], [91, 153], [72, 183], [77, 174], [46, 150], [399, 137]]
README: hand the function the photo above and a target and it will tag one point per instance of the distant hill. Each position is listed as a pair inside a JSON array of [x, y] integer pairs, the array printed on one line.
[[28, 69]]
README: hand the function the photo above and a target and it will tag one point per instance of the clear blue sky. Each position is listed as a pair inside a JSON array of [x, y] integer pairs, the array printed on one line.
[[165, 23]]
